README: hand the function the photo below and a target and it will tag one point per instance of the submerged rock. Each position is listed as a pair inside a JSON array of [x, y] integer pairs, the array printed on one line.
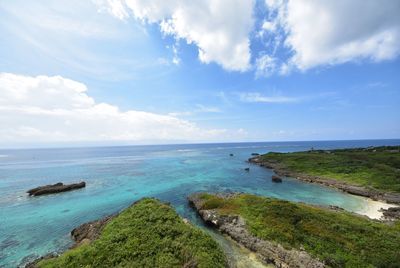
[[55, 188], [247, 169], [230, 154], [276, 179]]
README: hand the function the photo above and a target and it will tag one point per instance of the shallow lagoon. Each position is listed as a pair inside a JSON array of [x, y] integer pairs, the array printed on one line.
[[117, 176]]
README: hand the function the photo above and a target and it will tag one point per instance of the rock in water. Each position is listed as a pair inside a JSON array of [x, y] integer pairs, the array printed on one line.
[[247, 169], [230, 154], [255, 154], [276, 179], [55, 188]]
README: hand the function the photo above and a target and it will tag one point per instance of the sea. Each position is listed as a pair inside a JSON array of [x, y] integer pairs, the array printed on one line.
[[117, 176]]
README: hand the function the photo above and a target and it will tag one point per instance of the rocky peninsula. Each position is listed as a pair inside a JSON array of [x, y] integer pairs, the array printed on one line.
[[149, 233], [289, 234], [372, 172], [235, 227]]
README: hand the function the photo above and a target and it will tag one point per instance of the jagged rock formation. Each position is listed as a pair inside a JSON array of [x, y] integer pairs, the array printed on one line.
[[269, 252], [55, 188]]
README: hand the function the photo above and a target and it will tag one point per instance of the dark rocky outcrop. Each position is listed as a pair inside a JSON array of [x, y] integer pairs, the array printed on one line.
[[255, 154], [281, 170], [336, 208], [247, 169], [89, 231], [269, 252], [36, 261], [391, 213], [55, 188], [277, 179], [83, 234]]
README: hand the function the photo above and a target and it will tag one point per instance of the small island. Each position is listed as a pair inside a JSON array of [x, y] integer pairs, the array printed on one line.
[[147, 234], [55, 188], [289, 234], [372, 172]]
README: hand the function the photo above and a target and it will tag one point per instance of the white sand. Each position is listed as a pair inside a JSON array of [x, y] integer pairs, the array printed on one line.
[[371, 208]]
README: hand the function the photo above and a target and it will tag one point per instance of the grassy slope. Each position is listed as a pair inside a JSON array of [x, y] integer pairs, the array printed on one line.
[[148, 234], [379, 169], [340, 239]]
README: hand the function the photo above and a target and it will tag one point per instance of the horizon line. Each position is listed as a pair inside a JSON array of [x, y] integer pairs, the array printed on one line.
[[76, 146]]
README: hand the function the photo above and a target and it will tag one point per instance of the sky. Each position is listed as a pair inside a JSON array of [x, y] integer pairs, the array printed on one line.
[[172, 71]]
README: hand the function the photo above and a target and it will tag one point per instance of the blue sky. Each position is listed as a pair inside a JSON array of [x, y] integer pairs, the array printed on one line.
[[200, 71]]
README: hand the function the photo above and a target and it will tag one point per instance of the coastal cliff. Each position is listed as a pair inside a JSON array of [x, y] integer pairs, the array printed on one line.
[[235, 227], [289, 234]]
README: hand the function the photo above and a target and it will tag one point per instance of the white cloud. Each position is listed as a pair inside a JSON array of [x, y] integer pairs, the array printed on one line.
[[338, 31], [257, 97], [115, 7], [56, 109], [269, 26], [219, 29]]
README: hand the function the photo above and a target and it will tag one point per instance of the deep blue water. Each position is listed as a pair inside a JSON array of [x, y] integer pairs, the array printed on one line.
[[117, 176]]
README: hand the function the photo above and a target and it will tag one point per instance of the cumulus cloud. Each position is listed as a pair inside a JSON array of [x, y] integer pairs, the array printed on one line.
[[258, 97], [56, 109], [305, 33], [220, 29], [337, 31]]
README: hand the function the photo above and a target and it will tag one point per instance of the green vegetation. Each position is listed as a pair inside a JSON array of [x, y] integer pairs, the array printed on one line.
[[376, 167], [341, 239], [147, 234]]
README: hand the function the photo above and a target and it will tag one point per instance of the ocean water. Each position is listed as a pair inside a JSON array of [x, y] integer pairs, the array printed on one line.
[[117, 176]]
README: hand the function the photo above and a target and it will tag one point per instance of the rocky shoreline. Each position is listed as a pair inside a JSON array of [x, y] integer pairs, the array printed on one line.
[[392, 198], [268, 252], [83, 234]]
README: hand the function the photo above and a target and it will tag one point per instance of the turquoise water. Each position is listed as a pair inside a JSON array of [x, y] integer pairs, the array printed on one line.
[[117, 176]]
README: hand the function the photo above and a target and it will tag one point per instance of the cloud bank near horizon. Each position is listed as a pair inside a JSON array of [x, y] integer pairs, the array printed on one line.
[[57, 109]]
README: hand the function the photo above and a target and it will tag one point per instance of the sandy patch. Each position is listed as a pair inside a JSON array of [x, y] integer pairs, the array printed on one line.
[[372, 208]]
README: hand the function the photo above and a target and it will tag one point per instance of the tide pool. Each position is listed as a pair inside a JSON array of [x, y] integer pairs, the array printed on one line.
[[117, 176]]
